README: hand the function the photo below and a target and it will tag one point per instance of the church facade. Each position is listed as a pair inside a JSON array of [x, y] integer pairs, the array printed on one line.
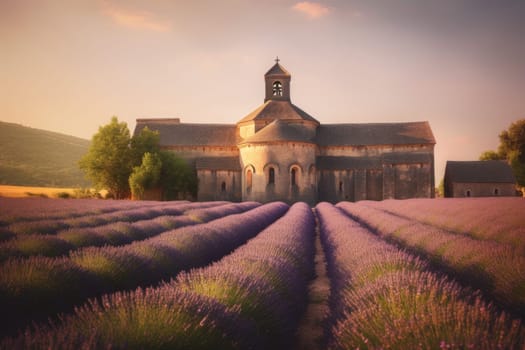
[[280, 152]]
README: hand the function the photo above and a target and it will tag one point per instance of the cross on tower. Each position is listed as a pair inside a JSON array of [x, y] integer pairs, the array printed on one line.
[[277, 59]]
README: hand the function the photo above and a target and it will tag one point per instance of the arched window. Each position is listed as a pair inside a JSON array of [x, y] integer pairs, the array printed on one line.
[[311, 175], [277, 88], [467, 193], [249, 180], [271, 176], [340, 187], [496, 192], [293, 177], [223, 186]]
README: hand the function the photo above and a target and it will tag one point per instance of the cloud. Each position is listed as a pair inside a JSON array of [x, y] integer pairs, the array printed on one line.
[[135, 19], [313, 10]]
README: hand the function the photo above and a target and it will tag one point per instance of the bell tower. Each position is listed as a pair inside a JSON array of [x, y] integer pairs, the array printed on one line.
[[277, 81]]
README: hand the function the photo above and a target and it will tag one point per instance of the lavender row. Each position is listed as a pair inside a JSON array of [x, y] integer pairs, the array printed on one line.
[[502, 219], [52, 226], [251, 299], [382, 297], [498, 269], [31, 209], [37, 287], [268, 278], [114, 234], [207, 213]]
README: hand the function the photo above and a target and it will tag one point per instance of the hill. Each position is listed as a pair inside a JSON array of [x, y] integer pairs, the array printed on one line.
[[34, 157]]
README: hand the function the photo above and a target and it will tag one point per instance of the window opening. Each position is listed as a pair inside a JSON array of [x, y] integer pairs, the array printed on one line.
[[496, 191], [249, 179], [277, 88], [468, 193], [293, 176], [223, 186], [340, 187], [271, 176]]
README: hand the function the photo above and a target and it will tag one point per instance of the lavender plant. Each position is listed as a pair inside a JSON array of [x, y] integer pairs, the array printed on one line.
[[50, 222], [205, 214], [250, 299], [501, 219], [382, 297], [34, 209], [161, 318], [114, 234], [497, 268], [106, 269]]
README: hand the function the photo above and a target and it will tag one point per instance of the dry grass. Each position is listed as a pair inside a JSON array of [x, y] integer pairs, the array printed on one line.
[[49, 192], [24, 191]]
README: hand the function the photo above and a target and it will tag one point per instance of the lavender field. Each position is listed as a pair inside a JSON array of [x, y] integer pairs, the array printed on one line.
[[412, 274]]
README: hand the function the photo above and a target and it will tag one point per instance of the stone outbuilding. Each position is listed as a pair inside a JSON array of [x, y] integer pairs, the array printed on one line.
[[485, 178], [280, 152]]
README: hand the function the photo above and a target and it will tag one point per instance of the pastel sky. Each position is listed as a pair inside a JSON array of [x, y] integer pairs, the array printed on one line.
[[69, 65]]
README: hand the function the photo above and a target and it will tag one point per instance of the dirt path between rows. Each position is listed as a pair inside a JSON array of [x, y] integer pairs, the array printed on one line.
[[310, 331]]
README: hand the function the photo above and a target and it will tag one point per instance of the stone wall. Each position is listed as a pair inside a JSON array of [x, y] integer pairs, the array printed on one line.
[[380, 172], [283, 158], [482, 190], [388, 179], [223, 185]]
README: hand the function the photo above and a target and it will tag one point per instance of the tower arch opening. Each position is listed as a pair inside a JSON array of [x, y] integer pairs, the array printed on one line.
[[277, 88], [271, 176], [249, 179]]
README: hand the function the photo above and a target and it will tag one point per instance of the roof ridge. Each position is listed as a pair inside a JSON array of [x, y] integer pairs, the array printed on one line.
[[277, 69], [273, 109], [278, 130], [377, 123]]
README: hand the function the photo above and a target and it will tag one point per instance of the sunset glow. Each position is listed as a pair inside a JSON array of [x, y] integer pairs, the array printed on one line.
[[68, 66]]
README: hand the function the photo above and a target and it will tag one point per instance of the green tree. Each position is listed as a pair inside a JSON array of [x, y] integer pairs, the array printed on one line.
[[121, 164], [440, 190], [513, 140], [491, 155], [146, 141], [146, 176], [512, 148], [108, 161], [177, 179]]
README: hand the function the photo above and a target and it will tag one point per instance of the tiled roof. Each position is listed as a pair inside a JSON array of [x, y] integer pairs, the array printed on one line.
[[374, 134], [191, 134], [482, 171], [175, 133], [272, 109], [280, 131], [218, 163], [277, 69]]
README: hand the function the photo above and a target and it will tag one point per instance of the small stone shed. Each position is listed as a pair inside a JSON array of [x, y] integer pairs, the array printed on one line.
[[486, 178]]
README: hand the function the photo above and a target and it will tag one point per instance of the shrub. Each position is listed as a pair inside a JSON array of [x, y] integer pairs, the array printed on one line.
[[63, 195]]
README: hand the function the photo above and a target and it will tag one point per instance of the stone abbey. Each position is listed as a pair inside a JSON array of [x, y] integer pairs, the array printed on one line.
[[280, 152]]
